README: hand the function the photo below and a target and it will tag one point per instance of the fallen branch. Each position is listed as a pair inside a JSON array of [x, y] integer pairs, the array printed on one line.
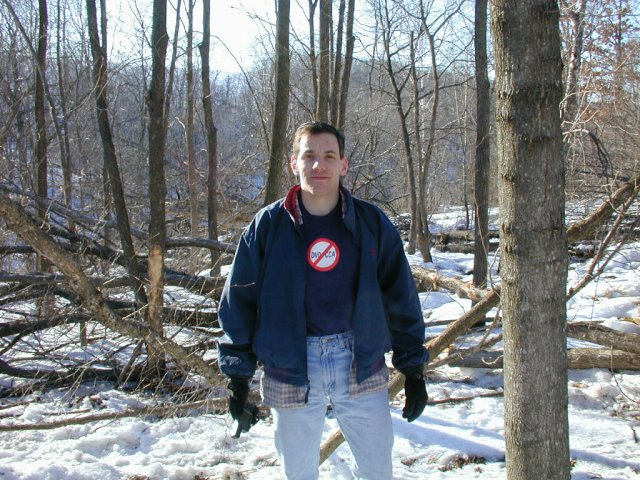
[[216, 405], [55, 377], [577, 358], [607, 337], [18, 221], [95, 225], [587, 227], [429, 280]]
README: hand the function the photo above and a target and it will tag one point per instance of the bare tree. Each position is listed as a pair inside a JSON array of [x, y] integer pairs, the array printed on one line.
[[157, 184], [576, 12], [532, 236], [324, 80], [65, 148], [313, 59], [191, 150], [110, 161], [280, 105], [334, 96], [346, 71], [482, 150], [42, 169], [212, 136]]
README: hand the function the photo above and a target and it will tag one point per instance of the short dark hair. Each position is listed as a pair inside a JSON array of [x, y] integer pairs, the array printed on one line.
[[313, 128]]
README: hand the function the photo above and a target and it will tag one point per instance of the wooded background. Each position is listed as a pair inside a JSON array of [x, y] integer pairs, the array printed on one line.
[[140, 170]]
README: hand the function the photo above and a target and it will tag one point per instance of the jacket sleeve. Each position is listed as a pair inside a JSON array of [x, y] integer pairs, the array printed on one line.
[[238, 307], [401, 299]]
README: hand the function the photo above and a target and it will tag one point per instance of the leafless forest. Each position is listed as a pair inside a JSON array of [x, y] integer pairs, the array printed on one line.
[[126, 179]]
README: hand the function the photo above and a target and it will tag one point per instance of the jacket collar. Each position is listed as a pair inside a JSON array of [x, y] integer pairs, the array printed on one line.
[[292, 206]]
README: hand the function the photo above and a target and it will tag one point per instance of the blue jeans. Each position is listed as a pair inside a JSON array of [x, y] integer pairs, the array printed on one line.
[[365, 421]]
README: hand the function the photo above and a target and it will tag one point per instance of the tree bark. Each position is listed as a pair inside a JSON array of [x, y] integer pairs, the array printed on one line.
[[588, 226], [212, 136], [280, 106], [157, 183], [482, 149], [533, 237]]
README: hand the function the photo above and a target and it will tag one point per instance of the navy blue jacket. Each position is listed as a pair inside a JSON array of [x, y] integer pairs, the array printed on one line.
[[262, 306]]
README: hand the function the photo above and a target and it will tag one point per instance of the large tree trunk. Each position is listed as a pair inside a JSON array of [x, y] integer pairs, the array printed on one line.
[[212, 137], [157, 184], [280, 105], [532, 237], [482, 150]]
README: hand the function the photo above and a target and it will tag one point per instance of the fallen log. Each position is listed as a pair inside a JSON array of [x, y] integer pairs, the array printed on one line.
[[195, 284], [607, 337], [587, 227], [463, 235], [171, 316], [427, 280], [577, 358]]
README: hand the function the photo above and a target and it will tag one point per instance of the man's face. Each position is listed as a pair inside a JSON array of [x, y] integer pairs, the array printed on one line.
[[319, 165]]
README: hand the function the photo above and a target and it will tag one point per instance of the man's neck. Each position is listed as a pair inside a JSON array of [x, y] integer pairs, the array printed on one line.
[[319, 205]]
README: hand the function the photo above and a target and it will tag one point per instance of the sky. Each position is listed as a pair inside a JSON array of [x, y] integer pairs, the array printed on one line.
[[461, 439], [234, 23]]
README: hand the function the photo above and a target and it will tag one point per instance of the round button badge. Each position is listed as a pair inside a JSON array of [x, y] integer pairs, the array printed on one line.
[[323, 254]]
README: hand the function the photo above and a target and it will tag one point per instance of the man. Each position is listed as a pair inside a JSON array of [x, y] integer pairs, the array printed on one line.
[[319, 290]]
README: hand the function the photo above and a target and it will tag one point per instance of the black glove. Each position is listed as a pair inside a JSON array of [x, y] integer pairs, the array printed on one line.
[[415, 391], [244, 413], [239, 387]]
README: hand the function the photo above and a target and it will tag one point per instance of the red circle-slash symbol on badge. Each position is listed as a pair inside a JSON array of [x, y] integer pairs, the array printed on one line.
[[323, 254]]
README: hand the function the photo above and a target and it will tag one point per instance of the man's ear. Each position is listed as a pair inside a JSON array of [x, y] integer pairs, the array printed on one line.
[[345, 166], [294, 165]]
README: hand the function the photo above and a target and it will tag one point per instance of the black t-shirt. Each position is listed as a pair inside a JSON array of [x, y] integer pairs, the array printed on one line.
[[332, 267]]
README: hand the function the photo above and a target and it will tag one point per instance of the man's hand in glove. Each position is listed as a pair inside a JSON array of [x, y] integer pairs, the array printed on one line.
[[415, 391], [244, 413]]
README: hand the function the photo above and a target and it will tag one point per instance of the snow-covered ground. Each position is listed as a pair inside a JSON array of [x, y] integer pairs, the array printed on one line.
[[449, 441]]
